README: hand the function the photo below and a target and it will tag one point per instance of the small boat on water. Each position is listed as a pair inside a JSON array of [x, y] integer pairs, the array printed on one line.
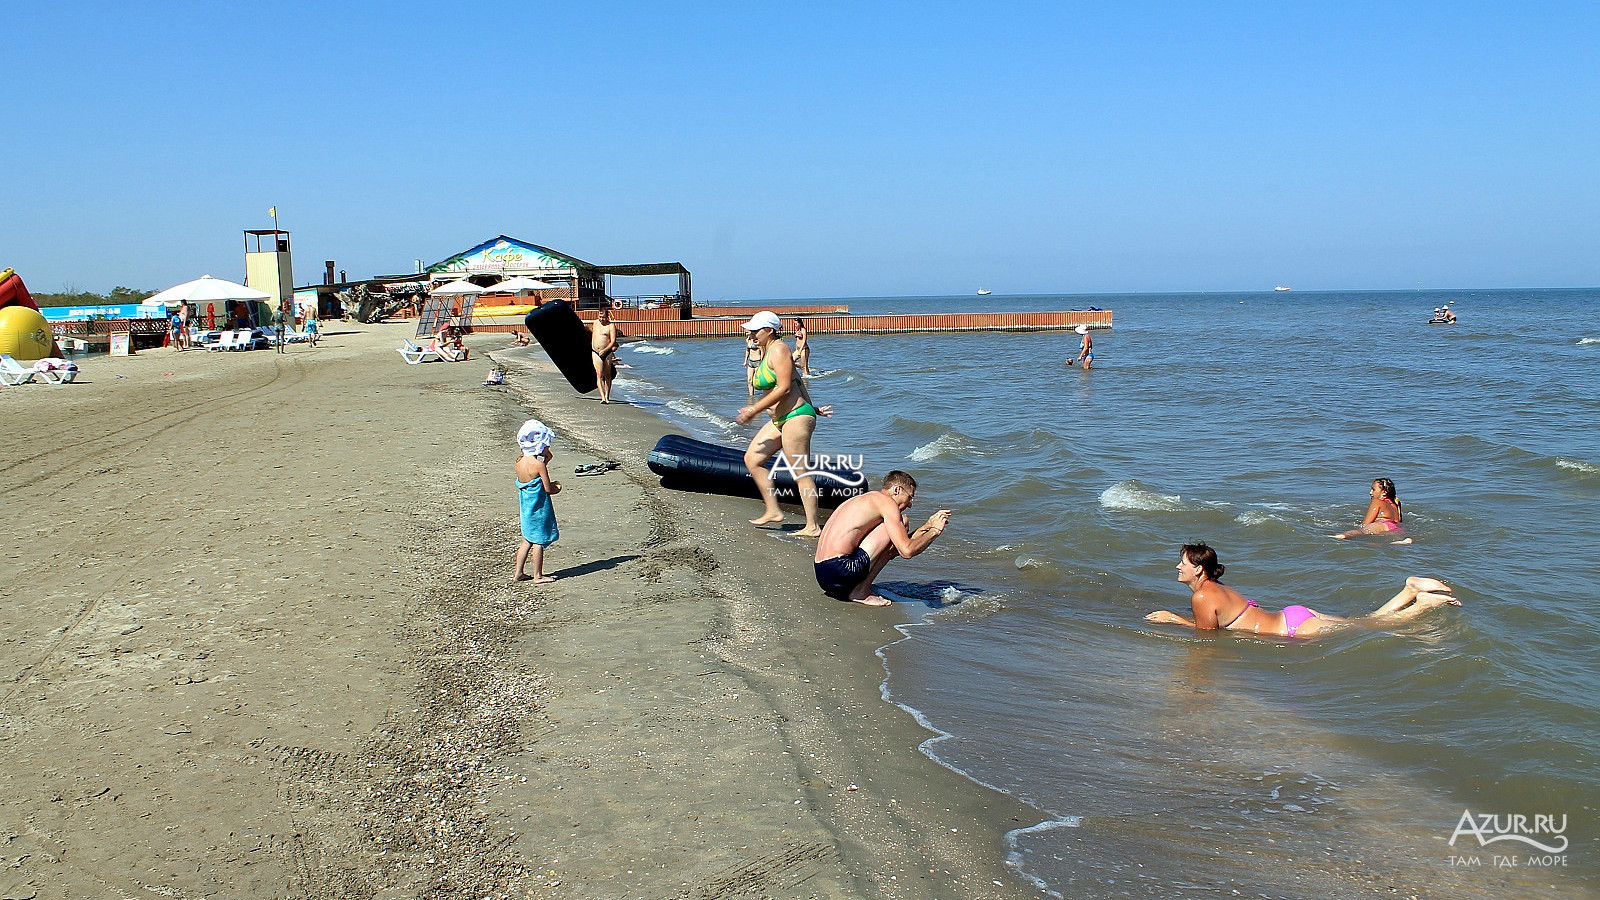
[[983, 292], [1280, 288]]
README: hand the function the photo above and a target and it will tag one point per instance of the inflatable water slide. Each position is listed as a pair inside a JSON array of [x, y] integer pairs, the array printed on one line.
[[24, 333]]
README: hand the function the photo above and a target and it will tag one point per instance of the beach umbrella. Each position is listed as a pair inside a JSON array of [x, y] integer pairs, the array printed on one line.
[[206, 289], [457, 287], [519, 283]]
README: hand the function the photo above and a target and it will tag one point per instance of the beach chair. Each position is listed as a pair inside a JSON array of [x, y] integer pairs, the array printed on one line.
[[13, 372], [414, 355]]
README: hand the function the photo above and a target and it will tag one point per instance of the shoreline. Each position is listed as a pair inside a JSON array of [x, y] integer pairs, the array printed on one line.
[[267, 645]]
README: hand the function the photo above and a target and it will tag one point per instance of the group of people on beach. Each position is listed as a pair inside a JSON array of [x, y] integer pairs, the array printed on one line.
[[868, 530]]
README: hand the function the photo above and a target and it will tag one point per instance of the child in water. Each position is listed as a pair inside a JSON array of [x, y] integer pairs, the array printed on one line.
[[534, 489]]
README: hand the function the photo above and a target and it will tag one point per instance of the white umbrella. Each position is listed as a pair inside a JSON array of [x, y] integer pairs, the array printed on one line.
[[206, 289], [519, 283], [457, 287]]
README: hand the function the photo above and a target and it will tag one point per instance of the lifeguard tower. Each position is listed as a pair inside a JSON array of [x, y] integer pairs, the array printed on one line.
[[267, 266]]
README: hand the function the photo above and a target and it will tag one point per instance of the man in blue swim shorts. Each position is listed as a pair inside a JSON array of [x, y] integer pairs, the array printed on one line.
[[867, 531]]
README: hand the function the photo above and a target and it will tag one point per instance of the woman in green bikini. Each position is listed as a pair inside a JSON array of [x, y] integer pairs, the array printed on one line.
[[794, 417]]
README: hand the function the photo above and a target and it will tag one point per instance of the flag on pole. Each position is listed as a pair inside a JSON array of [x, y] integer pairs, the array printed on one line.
[[273, 212]]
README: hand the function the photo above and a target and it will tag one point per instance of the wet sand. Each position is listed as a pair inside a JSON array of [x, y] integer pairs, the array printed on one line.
[[260, 639]]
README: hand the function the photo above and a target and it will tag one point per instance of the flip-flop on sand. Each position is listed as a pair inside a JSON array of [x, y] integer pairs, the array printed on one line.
[[596, 468]]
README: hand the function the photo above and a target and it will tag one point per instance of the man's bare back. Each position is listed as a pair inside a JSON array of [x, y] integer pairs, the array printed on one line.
[[867, 531]]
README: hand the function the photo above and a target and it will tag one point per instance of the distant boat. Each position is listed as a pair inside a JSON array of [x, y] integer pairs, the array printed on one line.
[[1280, 288], [983, 292]]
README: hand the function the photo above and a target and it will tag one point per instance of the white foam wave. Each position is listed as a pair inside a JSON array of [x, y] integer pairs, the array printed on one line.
[[824, 373], [1589, 340], [695, 410], [1254, 517], [1030, 562], [646, 347], [1128, 495], [939, 446], [1585, 468]]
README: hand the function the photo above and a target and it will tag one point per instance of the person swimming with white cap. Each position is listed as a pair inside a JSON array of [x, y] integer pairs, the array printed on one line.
[[534, 489], [1085, 350]]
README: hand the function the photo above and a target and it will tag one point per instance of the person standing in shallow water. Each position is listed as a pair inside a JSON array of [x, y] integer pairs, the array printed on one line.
[[1383, 514], [752, 361], [802, 349], [784, 398], [1085, 349], [1216, 606]]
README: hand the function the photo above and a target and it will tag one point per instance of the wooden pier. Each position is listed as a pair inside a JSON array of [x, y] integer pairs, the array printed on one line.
[[728, 323]]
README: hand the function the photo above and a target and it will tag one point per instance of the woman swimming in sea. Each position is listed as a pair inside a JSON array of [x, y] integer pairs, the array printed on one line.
[[1218, 607], [1383, 514], [794, 417]]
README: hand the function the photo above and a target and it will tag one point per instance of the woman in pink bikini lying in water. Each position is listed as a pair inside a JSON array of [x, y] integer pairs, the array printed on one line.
[[1217, 606], [1383, 514]]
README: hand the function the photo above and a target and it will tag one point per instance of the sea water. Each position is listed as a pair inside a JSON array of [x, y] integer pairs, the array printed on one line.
[[1169, 764]]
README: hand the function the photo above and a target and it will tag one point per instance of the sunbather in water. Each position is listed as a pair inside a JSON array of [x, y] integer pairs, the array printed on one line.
[[1217, 606]]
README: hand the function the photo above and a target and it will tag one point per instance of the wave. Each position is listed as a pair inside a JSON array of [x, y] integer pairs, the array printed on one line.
[[1589, 340], [695, 410], [1255, 517], [647, 347], [1130, 495], [950, 442], [1575, 465]]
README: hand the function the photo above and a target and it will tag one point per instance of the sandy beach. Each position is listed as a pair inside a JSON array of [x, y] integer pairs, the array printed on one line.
[[261, 640]]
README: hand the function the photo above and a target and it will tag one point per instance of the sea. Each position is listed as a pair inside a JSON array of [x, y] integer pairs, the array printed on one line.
[[1455, 754]]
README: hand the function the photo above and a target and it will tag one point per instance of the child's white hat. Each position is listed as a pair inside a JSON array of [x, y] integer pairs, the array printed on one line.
[[534, 437]]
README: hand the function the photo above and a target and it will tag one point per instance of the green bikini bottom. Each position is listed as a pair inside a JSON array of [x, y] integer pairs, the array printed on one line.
[[804, 409]]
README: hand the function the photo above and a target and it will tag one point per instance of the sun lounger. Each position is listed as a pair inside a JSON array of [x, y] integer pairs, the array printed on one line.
[[413, 354], [13, 372]]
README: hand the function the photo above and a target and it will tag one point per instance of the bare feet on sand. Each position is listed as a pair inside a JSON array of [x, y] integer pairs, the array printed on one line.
[[771, 519], [813, 531], [542, 579], [871, 600]]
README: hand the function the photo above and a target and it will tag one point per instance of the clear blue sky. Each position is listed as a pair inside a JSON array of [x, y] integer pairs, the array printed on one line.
[[814, 150]]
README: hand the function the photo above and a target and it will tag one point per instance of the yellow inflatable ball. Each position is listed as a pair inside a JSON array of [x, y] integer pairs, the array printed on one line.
[[24, 333]]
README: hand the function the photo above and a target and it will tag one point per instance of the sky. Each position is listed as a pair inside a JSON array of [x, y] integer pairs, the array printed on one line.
[[814, 150]]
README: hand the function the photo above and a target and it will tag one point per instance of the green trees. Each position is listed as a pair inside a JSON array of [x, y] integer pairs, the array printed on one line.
[[70, 297]]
